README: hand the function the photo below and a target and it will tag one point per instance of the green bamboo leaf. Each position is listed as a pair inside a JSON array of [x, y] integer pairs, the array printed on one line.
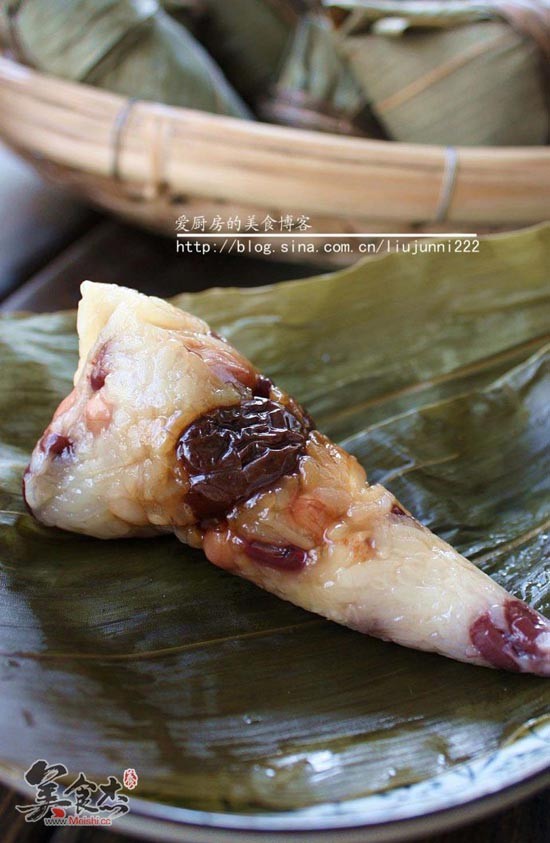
[[476, 470], [132, 47], [249, 38], [315, 88], [430, 69]]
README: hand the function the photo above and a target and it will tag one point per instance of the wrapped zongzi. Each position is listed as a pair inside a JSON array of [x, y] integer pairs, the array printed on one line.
[[188, 12], [132, 47], [248, 38], [316, 89], [455, 72]]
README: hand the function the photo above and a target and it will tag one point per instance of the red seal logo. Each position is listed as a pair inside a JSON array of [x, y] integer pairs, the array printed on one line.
[[130, 778]]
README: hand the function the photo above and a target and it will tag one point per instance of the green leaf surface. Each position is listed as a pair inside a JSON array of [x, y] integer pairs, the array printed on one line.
[[434, 370], [131, 47]]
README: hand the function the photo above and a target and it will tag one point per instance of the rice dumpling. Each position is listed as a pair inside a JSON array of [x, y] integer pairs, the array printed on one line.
[[188, 12], [169, 429], [132, 47], [249, 38], [316, 89], [451, 72]]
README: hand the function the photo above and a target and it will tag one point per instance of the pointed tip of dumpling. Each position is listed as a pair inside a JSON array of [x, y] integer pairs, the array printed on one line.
[[515, 638], [99, 302]]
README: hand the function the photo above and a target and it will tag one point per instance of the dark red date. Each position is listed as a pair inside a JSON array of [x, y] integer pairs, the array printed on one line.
[[504, 647], [234, 452], [56, 445], [280, 557], [262, 387], [99, 371]]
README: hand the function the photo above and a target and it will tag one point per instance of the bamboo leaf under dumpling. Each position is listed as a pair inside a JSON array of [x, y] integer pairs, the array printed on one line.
[[433, 370]]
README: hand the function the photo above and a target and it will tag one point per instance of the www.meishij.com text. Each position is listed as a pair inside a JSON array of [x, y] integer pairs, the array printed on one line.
[[292, 246]]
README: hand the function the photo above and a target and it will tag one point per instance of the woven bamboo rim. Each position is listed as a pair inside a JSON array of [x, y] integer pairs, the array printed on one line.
[[149, 162]]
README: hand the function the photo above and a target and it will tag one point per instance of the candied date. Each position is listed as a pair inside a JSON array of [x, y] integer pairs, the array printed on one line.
[[262, 387], [525, 625], [281, 557], [504, 645], [491, 642], [99, 371], [233, 452], [97, 379], [56, 445]]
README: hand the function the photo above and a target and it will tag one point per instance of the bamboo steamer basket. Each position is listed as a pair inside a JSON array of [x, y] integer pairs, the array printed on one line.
[[151, 163]]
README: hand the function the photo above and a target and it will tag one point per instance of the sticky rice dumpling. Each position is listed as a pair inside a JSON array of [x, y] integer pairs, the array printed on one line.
[[132, 47], [249, 38], [316, 89], [169, 429], [451, 72]]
